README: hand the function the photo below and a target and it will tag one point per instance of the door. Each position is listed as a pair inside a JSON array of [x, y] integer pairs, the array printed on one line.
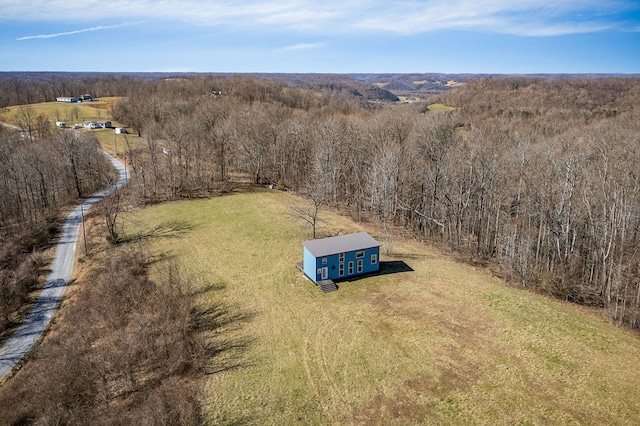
[[325, 273]]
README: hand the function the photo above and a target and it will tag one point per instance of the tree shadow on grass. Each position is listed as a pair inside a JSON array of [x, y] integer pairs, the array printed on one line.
[[223, 324], [168, 229]]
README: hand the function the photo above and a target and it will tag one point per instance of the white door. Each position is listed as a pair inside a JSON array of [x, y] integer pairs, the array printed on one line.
[[325, 273]]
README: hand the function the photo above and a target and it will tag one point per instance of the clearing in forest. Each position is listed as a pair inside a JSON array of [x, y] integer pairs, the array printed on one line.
[[440, 107], [443, 343], [70, 113]]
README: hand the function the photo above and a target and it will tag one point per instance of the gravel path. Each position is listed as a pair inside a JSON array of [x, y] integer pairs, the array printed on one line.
[[21, 342]]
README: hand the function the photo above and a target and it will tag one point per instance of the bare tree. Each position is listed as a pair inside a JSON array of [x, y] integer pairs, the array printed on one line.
[[310, 213], [26, 119], [111, 206]]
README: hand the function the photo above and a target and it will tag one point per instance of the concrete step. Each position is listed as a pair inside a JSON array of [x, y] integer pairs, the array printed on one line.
[[327, 286]]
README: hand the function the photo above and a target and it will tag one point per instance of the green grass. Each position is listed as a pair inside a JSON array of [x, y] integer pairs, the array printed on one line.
[[77, 113], [70, 113], [440, 107], [115, 143], [444, 343]]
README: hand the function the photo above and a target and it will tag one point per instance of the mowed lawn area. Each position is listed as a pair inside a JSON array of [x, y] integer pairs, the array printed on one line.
[[444, 343], [70, 113]]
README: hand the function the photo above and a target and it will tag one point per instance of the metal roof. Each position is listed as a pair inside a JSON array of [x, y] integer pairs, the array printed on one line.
[[340, 244]]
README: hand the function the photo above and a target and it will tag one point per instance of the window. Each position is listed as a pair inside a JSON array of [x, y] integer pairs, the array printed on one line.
[[359, 265], [341, 257], [374, 259], [324, 260], [341, 269], [350, 268], [359, 254]]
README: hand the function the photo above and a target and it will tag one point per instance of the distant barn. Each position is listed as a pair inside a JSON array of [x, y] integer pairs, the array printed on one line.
[[340, 257]]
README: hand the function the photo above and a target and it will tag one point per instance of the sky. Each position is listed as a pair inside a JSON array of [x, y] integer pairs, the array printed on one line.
[[321, 36]]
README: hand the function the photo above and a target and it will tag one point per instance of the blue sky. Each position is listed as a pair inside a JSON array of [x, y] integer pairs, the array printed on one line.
[[323, 36]]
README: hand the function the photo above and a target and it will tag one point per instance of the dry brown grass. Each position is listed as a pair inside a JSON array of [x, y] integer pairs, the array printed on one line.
[[121, 350]]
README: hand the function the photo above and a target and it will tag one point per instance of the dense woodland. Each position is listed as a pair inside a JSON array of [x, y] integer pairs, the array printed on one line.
[[38, 177]]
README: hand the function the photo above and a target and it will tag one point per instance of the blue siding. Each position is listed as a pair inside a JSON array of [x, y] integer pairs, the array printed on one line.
[[313, 266], [309, 265]]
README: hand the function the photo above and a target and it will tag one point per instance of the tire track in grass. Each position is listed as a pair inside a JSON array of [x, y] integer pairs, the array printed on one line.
[[348, 358], [314, 360], [327, 329], [307, 370]]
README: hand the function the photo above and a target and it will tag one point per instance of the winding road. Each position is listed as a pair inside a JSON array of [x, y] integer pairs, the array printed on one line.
[[21, 342]]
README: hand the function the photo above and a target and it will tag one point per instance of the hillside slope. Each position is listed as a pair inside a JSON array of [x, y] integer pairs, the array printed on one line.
[[440, 343]]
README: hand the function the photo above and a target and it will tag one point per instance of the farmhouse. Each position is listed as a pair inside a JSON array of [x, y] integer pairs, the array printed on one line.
[[97, 124], [67, 99], [340, 257]]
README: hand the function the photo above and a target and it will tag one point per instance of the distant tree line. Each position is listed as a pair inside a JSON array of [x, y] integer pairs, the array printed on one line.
[[31, 88], [539, 177]]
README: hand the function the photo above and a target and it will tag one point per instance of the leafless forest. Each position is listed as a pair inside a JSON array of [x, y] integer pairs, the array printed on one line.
[[39, 176], [127, 353]]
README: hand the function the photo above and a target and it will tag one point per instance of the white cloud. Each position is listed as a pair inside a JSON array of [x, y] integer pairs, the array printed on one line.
[[523, 17], [557, 30], [66, 33], [303, 46], [531, 18]]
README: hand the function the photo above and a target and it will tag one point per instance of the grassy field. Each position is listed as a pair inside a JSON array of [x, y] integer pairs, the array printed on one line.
[[70, 113], [440, 107], [77, 113], [115, 144], [443, 343]]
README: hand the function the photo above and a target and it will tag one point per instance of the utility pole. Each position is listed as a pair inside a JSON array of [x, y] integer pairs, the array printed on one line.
[[84, 232]]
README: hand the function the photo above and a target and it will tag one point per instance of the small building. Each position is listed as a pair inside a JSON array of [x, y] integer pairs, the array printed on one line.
[[97, 124], [340, 257], [86, 98], [67, 99]]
